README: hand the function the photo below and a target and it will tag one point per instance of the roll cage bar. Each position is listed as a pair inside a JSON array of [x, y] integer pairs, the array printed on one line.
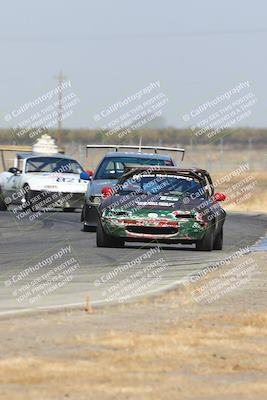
[[201, 174]]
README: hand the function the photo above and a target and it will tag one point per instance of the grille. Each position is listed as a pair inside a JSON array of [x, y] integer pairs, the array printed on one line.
[[184, 216], [152, 230]]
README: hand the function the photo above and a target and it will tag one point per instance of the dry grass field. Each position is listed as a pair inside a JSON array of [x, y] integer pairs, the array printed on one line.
[[193, 358], [246, 193], [167, 348]]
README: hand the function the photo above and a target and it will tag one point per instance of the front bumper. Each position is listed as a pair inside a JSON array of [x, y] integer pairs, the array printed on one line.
[[169, 230], [50, 200]]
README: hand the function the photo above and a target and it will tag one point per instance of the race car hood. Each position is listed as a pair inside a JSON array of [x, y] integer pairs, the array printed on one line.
[[56, 182]]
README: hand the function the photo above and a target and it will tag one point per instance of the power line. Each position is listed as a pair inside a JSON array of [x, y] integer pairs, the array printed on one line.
[[121, 36]]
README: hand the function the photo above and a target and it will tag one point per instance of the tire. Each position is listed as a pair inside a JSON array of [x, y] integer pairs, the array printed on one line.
[[89, 228], [28, 197], [3, 206], [104, 240], [89, 219], [118, 243], [218, 242], [82, 214], [206, 244]]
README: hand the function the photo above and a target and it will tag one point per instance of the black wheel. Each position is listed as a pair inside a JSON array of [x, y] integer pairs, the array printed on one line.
[[28, 205], [206, 244], [82, 214], [3, 206], [218, 242], [104, 240], [118, 242], [89, 228]]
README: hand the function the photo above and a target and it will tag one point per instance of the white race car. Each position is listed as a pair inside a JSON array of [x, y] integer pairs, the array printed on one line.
[[43, 181]]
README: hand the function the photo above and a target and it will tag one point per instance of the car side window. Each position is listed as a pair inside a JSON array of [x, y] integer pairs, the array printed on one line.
[[119, 168], [110, 168]]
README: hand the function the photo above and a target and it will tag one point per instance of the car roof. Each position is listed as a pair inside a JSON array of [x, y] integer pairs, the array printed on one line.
[[137, 155], [25, 155]]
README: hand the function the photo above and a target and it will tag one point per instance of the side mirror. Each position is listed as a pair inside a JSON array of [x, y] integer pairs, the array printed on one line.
[[14, 170], [219, 196], [90, 172], [107, 191], [85, 176]]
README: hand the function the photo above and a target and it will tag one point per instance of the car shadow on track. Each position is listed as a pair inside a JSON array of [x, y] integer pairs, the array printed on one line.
[[162, 247]]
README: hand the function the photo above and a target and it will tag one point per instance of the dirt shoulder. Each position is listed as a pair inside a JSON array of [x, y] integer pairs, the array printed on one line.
[[205, 340]]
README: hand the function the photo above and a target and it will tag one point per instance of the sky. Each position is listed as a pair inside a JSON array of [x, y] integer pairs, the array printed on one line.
[[111, 49]]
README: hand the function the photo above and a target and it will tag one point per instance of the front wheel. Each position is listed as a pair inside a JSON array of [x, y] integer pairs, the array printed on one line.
[[28, 205], [3, 206], [104, 240], [206, 243]]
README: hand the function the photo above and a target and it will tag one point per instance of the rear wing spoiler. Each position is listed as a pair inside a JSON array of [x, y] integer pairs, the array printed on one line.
[[138, 148]]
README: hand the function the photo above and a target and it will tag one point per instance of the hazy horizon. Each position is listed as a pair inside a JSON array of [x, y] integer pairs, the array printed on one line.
[[110, 51]]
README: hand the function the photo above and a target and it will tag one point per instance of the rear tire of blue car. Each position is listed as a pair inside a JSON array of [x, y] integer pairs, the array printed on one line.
[[207, 242], [104, 240], [89, 228]]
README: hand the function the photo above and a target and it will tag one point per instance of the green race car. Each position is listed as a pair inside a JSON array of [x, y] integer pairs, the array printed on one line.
[[162, 204]]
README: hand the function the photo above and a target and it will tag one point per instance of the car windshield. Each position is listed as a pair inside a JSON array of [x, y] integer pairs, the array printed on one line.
[[53, 164], [163, 184], [114, 167]]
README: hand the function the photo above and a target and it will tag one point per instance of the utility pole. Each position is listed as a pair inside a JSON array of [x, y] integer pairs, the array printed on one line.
[[60, 78]]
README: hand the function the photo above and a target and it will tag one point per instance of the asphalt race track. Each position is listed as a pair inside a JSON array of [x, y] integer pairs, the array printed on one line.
[[26, 243]]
